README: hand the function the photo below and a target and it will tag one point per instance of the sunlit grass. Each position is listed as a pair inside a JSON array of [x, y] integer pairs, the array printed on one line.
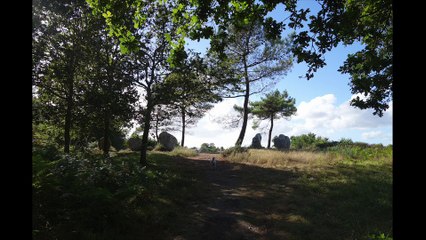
[[279, 159], [339, 192], [183, 152]]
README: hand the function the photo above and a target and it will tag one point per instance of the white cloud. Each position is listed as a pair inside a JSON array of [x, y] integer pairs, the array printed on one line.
[[320, 115], [372, 134]]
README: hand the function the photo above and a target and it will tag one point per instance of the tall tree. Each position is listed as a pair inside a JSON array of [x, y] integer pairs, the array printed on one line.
[[162, 119], [273, 106], [191, 92], [149, 55], [110, 94], [257, 61], [59, 31], [338, 21]]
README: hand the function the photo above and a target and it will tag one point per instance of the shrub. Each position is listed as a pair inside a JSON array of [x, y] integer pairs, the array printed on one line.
[[208, 148], [309, 142], [380, 236], [151, 143]]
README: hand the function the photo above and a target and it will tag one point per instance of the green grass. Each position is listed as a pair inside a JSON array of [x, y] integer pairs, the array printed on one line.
[[344, 193], [340, 194]]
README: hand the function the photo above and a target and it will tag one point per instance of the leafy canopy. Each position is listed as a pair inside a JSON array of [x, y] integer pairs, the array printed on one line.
[[274, 105], [339, 21]]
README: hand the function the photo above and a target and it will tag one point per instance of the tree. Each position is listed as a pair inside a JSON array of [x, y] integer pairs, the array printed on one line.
[[79, 76], [110, 93], [338, 21], [274, 106], [59, 30], [149, 56], [162, 117], [190, 92], [346, 21], [255, 60]]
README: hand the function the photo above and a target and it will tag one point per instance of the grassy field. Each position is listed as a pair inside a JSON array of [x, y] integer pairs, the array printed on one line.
[[341, 194], [259, 194]]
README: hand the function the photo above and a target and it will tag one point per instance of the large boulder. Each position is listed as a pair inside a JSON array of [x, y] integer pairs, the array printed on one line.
[[168, 141], [135, 144], [256, 141], [282, 142]]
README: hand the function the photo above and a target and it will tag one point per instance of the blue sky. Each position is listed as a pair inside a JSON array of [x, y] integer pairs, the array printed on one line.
[[322, 102]]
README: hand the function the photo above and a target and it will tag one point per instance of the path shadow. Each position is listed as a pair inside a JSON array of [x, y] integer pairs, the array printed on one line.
[[251, 202]]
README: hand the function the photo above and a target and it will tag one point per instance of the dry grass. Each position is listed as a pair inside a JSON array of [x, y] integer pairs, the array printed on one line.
[[279, 159], [183, 152]]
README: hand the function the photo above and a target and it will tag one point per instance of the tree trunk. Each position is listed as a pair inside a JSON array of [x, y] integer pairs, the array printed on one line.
[[143, 159], [68, 115], [67, 127], [156, 127], [69, 99], [106, 143], [245, 106], [270, 132], [183, 127]]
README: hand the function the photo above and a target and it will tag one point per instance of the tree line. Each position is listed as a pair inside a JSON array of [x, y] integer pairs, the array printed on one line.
[[99, 65]]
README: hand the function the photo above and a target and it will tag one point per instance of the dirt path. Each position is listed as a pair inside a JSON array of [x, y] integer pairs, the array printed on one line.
[[234, 209]]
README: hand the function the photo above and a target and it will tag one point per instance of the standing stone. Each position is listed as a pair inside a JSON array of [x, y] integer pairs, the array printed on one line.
[[282, 142], [135, 144], [167, 140], [256, 141]]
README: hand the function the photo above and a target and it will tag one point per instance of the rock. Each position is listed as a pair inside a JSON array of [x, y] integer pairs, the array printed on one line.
[[168, 141], [282, 142], [135, 144], [256, 141]]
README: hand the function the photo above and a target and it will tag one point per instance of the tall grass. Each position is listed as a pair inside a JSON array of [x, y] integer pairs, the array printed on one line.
[[279, 159], [183, 152], [300, 159], [343, 192]]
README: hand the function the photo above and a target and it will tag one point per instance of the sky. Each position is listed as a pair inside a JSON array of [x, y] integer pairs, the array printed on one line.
[[322, 105]]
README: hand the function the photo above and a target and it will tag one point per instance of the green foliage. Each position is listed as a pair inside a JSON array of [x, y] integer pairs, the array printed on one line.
[[344, 147], [152, 143], [308, 142], [89, 197], [208, 148], [345, 21], [47, 134], [273, 105], [379, 236], [362, 151]]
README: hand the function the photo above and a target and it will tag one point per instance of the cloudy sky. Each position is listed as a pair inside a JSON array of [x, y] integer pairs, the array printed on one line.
[[322, 105], [322, 115]]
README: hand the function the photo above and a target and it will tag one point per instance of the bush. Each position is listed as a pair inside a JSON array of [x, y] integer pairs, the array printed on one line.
[[151, 143], [380, 236], [309, 142], [208, 148], [49, 152], [81, 193]]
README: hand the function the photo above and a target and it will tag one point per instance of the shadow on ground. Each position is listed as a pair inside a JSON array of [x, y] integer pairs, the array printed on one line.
[[249, 202]]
